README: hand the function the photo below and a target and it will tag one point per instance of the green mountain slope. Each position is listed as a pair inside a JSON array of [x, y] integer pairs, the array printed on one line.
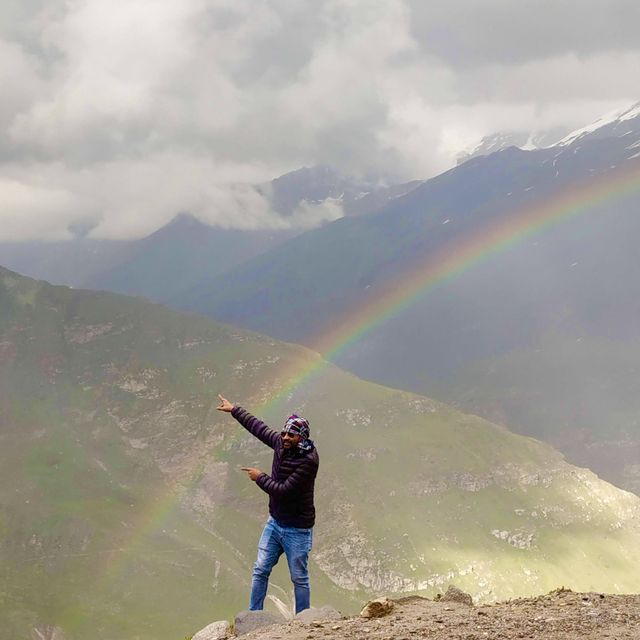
[[123, 513], [528, 388]]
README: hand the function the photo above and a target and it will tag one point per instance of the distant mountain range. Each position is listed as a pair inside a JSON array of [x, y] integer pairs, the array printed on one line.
[[181, 255], [69, 262], [123, 512], [534, 321]]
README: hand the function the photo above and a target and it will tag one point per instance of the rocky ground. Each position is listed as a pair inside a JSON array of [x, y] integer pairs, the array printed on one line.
[[559, 615]]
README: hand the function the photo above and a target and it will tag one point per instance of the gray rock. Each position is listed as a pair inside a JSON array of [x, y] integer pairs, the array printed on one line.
[[456, 595], [215, 631], [247, 621], [377, 608], [322, 613]]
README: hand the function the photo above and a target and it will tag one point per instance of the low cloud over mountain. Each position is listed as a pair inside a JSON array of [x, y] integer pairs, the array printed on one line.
[[116, 116]]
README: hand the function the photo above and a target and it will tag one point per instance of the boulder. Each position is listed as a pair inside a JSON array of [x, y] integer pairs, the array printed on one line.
[[454, 594], [215, 631], [322, 613], [377, 608], [247, 621]]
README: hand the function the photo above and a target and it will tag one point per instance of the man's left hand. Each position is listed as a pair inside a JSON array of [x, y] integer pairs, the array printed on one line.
[[252, 472]]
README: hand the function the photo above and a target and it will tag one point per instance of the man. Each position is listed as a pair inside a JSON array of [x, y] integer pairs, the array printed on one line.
[[289, 530]]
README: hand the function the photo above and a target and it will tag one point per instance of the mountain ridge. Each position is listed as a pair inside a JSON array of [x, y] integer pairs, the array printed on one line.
[[178, 256]]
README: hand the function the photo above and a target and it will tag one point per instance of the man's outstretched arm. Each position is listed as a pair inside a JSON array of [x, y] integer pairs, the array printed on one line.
[[252, 424]]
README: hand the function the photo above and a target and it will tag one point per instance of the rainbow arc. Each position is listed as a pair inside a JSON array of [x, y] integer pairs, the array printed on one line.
[[439, 267]]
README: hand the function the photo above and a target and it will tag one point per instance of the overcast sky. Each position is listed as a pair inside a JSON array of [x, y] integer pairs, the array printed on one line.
[[118, 115]]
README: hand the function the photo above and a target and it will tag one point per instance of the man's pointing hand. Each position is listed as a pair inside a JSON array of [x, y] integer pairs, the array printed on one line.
[[224, 405], [252, 472]]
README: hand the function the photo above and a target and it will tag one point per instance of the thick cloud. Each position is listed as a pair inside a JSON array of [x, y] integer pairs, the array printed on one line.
[[119, 115], [508, 32]]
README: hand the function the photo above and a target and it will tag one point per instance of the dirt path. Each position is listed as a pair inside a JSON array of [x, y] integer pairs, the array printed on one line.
[[560, 615]]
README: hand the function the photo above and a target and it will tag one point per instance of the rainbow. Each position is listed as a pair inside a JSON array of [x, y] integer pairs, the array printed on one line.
[[439, 267], [452, 261]]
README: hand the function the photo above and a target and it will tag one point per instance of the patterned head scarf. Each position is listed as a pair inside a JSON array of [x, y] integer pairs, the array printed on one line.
[[299, 426]]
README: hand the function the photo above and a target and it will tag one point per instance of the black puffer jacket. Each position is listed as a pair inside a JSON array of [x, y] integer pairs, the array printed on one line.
[[293, 474]]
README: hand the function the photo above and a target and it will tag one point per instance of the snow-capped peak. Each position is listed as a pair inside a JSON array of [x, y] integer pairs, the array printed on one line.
[[525, 140], [619, 115], [632, 112]]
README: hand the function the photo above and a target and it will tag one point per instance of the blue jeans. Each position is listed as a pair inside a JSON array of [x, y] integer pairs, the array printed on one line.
[[296, 545]]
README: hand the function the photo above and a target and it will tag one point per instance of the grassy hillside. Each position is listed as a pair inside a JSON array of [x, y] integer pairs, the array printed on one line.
[[123, 513], [528, 389]]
